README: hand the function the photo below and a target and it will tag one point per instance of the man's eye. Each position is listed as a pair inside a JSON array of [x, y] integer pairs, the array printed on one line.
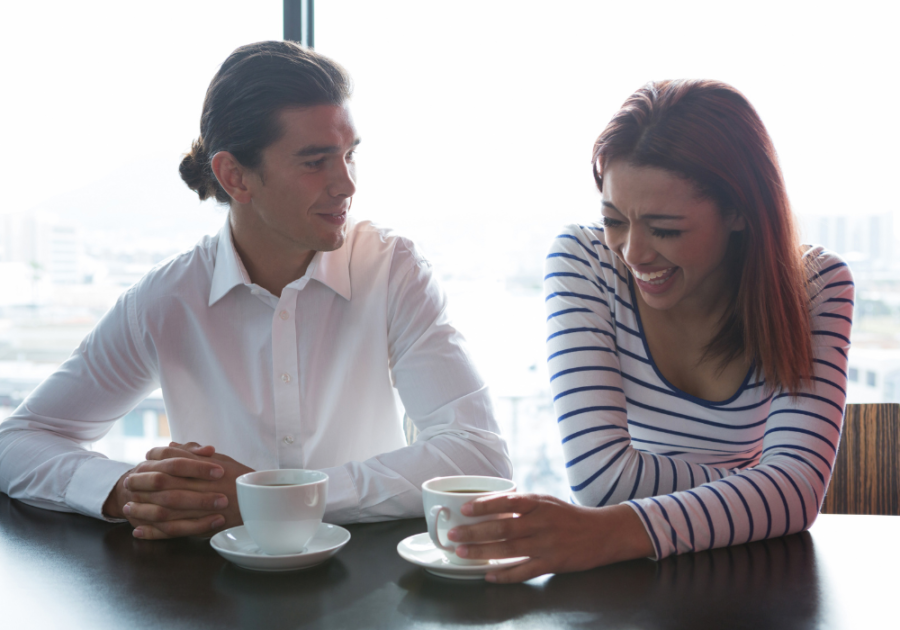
[[315, 163], [665, 233], [351, 156]]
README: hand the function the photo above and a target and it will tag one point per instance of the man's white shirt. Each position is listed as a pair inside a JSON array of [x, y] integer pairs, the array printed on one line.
[[307, 380]]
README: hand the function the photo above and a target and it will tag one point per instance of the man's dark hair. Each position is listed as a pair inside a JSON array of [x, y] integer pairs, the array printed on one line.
[[240, 111]]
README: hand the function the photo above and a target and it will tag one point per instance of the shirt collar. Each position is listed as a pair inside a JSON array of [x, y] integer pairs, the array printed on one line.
[[228, 271], [330, 268]]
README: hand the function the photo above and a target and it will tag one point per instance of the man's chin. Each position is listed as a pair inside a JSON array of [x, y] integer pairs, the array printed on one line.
[[332, 241]]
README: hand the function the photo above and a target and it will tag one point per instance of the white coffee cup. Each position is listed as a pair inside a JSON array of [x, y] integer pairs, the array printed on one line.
[[282, 509], [442, 498]]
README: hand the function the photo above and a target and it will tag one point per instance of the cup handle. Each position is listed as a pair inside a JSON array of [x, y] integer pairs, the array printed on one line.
[[436, 537]]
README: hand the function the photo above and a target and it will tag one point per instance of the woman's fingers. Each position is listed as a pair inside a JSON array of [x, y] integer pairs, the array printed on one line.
[[520, 573], [514, 548], [487, 531], [501, 504]]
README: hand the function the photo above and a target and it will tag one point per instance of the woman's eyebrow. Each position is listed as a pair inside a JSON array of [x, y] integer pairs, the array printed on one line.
[[608, 204], [650, 217]]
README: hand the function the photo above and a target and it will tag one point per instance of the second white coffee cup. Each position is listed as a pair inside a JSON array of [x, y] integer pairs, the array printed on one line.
[[282, 509], [442, 497]]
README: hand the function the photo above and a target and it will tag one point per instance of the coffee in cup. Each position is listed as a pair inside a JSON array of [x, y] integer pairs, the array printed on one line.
[[443, 497], [282, 509]]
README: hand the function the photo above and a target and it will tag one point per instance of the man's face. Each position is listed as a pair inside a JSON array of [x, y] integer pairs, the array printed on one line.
[[300, 195]]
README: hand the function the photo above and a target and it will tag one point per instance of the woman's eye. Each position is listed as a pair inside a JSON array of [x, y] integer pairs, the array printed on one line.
[[665, 233], [610, 223]]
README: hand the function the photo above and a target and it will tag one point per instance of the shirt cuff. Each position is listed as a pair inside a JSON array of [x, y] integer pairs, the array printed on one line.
[[646, 522], [91, 484], [343, 498]]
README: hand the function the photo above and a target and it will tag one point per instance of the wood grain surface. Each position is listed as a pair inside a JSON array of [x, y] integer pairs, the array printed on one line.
[[866, 477]]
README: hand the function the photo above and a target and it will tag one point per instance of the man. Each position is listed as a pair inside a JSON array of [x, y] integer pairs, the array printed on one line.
[[280, 343]]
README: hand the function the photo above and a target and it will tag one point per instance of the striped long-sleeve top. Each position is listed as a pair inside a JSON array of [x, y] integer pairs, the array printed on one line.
[[699, 474]]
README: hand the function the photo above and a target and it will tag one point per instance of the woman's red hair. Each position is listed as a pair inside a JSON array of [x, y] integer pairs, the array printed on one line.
[[707, 132]]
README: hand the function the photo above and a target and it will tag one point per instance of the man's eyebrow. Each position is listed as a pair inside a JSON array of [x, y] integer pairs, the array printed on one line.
[[315, 149], [650, 217]]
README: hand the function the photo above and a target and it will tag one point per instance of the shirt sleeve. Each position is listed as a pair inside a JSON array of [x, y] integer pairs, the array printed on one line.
[[43, 460], [443, 395], [707, 506]]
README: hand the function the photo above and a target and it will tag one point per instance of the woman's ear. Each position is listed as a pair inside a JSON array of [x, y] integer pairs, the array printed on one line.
[[738, 223], [232, 176]]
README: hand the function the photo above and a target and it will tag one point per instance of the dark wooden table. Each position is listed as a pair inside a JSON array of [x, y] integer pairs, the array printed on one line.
[[68, 571]]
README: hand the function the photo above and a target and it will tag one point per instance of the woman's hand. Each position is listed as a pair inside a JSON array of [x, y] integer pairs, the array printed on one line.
[[558, 537]]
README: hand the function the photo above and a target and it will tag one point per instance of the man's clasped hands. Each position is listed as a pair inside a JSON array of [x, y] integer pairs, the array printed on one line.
[[181, 490]]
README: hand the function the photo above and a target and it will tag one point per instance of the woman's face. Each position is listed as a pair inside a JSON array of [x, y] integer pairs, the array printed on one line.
[[673, 240]]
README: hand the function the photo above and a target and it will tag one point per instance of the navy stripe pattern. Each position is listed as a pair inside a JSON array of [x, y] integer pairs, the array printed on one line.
[[753, 466]]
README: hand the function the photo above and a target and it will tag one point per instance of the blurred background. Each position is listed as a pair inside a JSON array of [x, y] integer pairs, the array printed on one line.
[[477, 119]]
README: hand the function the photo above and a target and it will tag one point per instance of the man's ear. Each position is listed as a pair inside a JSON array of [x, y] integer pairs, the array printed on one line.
[[232, 176]]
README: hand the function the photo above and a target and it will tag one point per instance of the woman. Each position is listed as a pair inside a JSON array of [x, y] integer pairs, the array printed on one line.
[[697, 352]]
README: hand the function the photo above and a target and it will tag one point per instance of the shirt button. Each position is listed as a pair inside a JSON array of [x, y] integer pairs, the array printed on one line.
[[285, 378], [283, 315], [288, 439]]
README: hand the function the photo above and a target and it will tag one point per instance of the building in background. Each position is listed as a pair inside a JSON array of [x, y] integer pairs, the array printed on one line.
[[37, 250]]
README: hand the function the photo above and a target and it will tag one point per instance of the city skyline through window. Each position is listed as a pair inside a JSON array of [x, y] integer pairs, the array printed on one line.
[[477, 121]]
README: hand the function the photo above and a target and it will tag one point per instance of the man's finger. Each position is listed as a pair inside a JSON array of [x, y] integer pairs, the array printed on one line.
[[195, 448], [176, 529], [191, 468], [159, 481], [151, 513], [182, 500], [183, 466], [168, 452]]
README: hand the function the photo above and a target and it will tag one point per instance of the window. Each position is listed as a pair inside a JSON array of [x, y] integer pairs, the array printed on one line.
[[478, 122], [870, 378], [854, 375], [101, 98], [133, 425]]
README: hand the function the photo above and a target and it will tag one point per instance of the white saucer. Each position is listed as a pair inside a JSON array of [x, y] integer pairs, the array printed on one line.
[[420, 550], [235, 544]]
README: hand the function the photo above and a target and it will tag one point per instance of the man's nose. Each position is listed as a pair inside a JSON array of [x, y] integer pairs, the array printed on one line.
[[343, 180]]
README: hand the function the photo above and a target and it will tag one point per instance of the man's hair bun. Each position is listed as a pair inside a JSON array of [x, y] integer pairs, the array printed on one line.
[[197, 173]]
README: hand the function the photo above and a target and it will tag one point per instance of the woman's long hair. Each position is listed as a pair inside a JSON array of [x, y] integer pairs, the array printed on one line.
[[709, 133]]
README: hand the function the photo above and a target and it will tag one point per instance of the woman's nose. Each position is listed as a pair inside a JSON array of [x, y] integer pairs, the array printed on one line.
[[636, 250]]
